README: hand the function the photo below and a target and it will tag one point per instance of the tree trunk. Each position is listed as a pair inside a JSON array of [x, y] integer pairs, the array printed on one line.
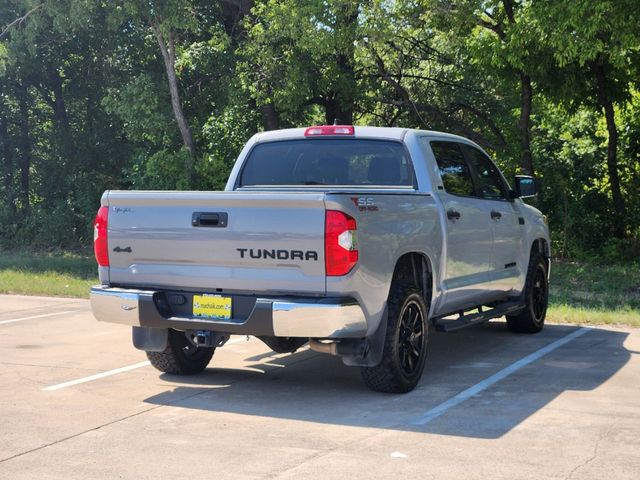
[[91, 104], [524, 124], [169, 56], [60, 116], [90, 113], [526, 96], [7, 163], [25, 157], [336, 111], [270, 120], [341, 104], [606, 103], [233, 12]]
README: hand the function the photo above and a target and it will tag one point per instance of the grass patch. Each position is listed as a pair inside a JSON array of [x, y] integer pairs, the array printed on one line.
[[61, 275], [595, 294], [585, 316], [604, 287], [580, 293]]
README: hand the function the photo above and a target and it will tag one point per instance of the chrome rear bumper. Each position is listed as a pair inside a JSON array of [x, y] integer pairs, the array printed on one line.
[[280, 317]]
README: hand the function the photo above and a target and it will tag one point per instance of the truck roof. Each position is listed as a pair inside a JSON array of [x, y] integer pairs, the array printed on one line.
[[387, 133]]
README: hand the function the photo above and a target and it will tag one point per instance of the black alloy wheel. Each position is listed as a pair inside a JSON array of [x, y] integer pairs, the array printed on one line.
[[411, 337], [539, 294], [536, 298]]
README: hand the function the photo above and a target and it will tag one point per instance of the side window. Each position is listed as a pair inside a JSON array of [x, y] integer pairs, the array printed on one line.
[[486, 174], [454, 171]]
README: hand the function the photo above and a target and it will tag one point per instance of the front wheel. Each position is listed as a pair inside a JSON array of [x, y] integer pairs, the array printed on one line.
[[405, 346], [536, 297], [181, 357]]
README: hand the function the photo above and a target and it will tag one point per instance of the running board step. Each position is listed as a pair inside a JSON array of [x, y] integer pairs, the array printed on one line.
[[470, 319]]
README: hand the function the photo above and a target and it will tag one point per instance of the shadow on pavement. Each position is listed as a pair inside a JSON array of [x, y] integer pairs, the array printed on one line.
[[316, 388]]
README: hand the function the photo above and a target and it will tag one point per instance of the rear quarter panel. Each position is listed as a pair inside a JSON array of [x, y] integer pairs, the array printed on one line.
[[401, 223]]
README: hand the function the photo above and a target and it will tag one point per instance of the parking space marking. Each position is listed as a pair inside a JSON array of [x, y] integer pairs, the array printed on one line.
[[495, 378], [97, 376], [14, 320], [115, 371]]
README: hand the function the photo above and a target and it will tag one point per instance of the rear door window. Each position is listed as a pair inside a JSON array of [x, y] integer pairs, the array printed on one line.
[[352, 162], [454, 171]]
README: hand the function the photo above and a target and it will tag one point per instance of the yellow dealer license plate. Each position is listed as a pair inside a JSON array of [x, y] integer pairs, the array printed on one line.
[[212, 306]]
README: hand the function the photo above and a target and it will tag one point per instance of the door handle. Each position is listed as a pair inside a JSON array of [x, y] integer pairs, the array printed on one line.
[[495, 215], [453, 214]]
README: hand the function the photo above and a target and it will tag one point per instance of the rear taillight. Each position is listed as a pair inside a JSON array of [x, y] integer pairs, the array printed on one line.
[[340, 243], [100, 244]]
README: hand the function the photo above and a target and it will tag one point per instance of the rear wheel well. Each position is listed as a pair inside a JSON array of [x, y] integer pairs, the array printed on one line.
[[413, 270]]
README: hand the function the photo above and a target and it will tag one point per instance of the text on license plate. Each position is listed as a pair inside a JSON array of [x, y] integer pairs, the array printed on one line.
[[212, 306]]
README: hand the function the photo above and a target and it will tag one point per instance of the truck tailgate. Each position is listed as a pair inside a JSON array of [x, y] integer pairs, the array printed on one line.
[[233, 241]]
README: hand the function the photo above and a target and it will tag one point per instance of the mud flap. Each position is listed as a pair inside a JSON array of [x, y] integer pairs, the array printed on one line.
[[373, 354], [150, 339]]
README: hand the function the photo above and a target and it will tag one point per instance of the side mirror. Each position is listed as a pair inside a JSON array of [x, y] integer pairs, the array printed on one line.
[[525, 186]]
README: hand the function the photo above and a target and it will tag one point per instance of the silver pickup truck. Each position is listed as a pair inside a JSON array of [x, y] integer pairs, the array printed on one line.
[[351, 239]]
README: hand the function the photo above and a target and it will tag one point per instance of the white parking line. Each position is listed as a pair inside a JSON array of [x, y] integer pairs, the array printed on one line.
[[115, 371], [97, 376], [13, 320], [495, 378]]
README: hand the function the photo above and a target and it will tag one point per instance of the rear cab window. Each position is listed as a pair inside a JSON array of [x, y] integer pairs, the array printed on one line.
[[335, 162]]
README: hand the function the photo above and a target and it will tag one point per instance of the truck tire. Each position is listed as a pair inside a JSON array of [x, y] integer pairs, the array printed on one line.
[[181, 357], [536, 297], [405, 345]]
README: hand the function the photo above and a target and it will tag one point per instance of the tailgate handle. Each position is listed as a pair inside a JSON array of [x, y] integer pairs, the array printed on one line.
[[209, 219]]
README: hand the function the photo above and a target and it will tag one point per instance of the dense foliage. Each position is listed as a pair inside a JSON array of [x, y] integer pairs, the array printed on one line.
[[163, 94]]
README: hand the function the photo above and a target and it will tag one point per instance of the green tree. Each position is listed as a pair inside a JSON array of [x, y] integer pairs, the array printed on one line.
[[499, 36], [414, 77], [151, 94], [300, 54], [602, 38], [168, 21]]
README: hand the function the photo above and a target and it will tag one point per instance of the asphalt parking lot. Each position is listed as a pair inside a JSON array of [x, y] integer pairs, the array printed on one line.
[[78, 401]]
